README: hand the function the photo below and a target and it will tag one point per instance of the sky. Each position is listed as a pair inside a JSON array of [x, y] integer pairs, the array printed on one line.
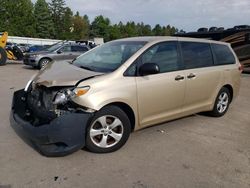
[[183, 14]]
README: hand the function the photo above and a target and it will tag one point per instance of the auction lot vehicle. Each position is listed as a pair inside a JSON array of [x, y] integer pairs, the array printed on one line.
[[60, 51], [123, 86]]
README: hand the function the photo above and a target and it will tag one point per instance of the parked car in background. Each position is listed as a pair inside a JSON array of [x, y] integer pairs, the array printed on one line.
[[16, 50], [23, 47], [61, 51], [36, 48], [122, 86]]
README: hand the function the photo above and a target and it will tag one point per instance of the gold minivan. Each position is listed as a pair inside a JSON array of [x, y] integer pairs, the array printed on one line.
[[122, 86]]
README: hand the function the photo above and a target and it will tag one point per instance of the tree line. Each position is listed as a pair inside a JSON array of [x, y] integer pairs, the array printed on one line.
[[55, 20]]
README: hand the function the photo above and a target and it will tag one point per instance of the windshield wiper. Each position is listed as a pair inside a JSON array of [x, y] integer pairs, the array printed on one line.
[[87, 68]]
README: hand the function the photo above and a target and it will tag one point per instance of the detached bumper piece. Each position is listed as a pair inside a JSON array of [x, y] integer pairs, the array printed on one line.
[[62, 136]]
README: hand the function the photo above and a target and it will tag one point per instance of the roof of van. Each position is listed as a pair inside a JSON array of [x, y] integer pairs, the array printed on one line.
[[164, 38]]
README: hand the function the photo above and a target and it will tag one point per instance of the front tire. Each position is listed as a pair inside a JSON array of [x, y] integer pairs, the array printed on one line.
[[222, 103], [43, 63], [108, 131]]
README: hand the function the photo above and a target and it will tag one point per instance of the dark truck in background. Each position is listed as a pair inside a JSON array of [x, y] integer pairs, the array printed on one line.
[[238, 37]]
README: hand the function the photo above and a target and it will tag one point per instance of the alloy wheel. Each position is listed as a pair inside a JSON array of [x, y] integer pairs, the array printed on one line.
[[223, 102], [106, 131], [44, 63]]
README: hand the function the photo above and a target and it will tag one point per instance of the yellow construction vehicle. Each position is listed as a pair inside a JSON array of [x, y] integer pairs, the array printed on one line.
[[5, 54]]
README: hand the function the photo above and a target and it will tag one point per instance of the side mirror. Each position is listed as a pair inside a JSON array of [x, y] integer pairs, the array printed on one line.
[[59, 51], [148, 69]]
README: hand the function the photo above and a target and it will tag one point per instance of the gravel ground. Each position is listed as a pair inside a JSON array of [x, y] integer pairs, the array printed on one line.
[[196, 151]]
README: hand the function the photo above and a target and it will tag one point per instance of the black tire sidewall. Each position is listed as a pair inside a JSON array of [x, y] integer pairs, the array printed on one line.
[[3, 58], [41, 61], [215, 111], [17, 53], [114, 111]]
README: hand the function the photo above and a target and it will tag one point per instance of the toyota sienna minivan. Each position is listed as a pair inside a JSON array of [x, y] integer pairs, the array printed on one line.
[[123, 86]]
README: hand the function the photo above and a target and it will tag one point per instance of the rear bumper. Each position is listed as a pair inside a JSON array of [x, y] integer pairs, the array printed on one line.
[[60, 137]]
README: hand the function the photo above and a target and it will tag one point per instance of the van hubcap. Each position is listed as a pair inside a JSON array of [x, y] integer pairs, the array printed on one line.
[[222, 102], [106, 131]]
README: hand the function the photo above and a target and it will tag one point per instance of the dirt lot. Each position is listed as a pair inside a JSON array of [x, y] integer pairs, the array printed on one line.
[[195, 151]]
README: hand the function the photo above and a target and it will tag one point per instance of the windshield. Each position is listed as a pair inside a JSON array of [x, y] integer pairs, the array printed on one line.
[[109, 56], [54, 47]]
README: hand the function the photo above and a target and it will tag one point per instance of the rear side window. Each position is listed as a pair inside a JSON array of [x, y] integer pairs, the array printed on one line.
[[79, 48], [222, 54], [196, 54]]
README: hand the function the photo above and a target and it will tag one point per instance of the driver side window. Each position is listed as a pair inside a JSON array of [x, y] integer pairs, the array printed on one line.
[[66, 49], [165, 55]]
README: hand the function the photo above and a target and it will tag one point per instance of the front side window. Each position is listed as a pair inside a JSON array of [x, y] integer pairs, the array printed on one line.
[[108, 57], [53, 47], [196, 54], [165, 55], [223, 54], [79, 48], [65, 49]]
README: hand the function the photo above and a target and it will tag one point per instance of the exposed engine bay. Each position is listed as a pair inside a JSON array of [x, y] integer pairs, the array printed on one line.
[[45, 104]]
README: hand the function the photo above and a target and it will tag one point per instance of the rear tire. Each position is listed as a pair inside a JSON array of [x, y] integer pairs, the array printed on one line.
[[3, 56], [222, 103], [108, 131]]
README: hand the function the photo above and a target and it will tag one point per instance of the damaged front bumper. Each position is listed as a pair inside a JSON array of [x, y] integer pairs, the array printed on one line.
[[61, 136]]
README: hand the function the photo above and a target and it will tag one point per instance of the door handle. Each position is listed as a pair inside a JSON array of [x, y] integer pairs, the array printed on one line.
[[179, 78], [191, 75]]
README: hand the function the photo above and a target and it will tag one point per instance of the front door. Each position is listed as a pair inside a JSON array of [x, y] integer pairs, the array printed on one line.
[[64, 53], [161, 96]]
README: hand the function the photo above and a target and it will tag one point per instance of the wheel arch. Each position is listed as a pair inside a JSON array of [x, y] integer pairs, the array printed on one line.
[[40, 60], [127, 109], [230, 88], [45, 58]]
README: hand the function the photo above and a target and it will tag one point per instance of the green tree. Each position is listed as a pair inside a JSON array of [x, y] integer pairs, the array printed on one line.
[[130, 29], [146, 30], [168, 31], [115, 32], [100, 27], [157, 31], [66, 25], [87, 22], [80, 27], [43, 23], [17, 17], [139, 28], [56, 20], [58, 8], [86, 18]]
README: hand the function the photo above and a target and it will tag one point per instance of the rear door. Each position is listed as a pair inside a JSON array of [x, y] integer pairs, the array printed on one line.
[[203, 78], [161, 96]]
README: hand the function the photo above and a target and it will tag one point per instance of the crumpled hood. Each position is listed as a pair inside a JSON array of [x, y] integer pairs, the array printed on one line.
[[62, 73]]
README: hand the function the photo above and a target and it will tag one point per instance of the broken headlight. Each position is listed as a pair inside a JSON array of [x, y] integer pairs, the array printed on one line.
[[62, 97]]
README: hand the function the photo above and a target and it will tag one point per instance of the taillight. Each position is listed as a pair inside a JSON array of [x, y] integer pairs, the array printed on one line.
[[240, 67]]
